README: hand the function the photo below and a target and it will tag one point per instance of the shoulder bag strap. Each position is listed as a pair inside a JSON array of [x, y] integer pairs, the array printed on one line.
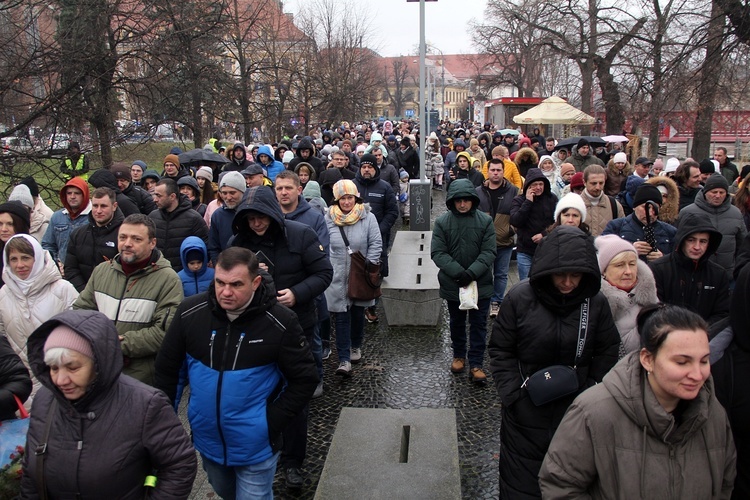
[[613, 206], [583, 324], [346, 240], [41, 451]]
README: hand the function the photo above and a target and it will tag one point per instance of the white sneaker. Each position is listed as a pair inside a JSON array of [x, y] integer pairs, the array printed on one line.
[[345, 369], [318, 390], [356, 355], [494, 309]]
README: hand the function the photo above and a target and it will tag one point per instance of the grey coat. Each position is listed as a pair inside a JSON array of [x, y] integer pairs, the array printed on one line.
[[727, 219], [363, 236]]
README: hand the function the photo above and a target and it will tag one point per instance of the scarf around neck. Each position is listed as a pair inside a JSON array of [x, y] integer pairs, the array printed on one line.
[[341, 219]]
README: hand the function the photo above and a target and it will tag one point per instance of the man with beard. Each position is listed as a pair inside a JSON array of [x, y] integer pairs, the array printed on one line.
[[139, 291]]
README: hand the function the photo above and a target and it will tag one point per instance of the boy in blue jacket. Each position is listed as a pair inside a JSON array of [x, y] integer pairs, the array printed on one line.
[[196, 276]]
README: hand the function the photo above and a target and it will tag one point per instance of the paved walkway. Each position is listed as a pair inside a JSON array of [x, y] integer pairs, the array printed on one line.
[[404, 368]]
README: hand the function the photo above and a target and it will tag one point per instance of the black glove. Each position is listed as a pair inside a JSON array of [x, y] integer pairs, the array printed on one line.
[[464, 279]]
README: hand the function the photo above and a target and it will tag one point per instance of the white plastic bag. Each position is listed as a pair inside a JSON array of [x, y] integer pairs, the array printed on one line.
[[469, 296]]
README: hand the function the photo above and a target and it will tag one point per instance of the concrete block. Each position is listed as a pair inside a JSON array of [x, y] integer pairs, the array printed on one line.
[[411, 291], [392, 454], [419, 204]]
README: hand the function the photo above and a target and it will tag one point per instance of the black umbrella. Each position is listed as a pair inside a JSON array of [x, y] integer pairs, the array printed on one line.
[[572, 141], [197, 156]]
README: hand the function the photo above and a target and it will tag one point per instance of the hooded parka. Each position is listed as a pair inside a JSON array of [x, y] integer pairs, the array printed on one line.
[[537, 327], [104, 444], [532, 217], [617, 441], [701, 286], [463, 243]]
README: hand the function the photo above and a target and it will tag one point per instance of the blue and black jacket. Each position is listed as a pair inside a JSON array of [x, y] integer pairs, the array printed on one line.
[[194, 283], [249, 377]]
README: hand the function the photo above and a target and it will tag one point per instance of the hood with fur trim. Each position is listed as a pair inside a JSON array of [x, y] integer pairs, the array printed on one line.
[[670, 207]]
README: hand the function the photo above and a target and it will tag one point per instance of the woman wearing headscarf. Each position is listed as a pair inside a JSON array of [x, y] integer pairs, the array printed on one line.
[[653, 428], [555, 318], [103, 434], [348, 217], [33, 292]]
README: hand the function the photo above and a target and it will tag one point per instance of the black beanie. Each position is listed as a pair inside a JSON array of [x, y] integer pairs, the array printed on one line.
[[405, 141], [32, 185], [647, 192], [193, 254], [744, 172], [715, 181], [582, 142], [369, 159], [707, 167], [16, 208]]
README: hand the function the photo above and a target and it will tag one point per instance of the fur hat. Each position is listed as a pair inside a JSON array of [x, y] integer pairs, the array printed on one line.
[[65, 336], [620, 158], [610, 246], [22, 193], [345, 187], [234, 180], [571, 200]]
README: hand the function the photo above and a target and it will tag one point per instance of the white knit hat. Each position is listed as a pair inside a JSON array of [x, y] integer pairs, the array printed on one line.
[[620, 158], [671, 165], [571, 200]]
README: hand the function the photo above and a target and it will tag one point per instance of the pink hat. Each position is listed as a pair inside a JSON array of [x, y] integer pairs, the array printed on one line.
[[610, 246], [64, 336]]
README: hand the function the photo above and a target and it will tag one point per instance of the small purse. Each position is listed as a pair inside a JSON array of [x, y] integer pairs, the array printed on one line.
[[364, 276], [557, 381]]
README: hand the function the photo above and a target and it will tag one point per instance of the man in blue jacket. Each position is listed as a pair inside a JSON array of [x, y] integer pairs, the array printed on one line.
[[251, 374]]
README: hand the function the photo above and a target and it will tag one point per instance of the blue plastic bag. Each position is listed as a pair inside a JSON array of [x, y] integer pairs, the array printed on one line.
[[12, 437]]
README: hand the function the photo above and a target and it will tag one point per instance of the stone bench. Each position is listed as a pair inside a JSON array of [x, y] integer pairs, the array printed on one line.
[[411, 291], [392, 454]]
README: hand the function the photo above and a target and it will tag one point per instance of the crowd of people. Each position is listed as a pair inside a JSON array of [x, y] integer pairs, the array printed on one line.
[[232, 277]]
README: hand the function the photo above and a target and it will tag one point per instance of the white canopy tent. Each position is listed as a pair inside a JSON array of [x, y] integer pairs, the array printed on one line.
[[554, 111]]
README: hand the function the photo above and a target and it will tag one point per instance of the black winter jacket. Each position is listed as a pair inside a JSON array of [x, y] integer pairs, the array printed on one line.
[[532, 217], [89, 246], [142, 199], [14, 380], [104, 444], [408, 159], [379, 194], [701, 286], [501, 213], [537, 327], [105, 178], [173, 227], [306, 144], [295, 257]]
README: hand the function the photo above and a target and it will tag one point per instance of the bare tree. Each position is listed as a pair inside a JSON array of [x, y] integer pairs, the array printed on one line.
[[395, 86]]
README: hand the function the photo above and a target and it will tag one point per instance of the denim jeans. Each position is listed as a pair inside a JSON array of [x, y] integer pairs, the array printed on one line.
[[524, 265], [502, 263], [477, 331], [350, 331], [242, 482]]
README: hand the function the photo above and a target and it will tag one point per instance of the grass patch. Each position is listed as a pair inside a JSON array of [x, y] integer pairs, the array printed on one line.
[[46, 171]]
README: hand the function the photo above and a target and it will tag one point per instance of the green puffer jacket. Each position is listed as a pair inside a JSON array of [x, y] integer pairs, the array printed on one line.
[[141, 305], [463, 242]]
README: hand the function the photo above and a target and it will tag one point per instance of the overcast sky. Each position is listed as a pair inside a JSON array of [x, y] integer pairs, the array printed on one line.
[[395, 23]]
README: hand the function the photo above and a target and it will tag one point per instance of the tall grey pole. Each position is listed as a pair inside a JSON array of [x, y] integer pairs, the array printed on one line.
[[419, 189], [422, 95]]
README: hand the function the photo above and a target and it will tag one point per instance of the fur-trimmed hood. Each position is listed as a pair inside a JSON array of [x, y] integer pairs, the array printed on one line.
[[627, 170], [526, 156], [644, 292], [670, 209]]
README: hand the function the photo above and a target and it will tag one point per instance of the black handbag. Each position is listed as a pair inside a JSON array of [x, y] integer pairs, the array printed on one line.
[[364, 276], [557, 381]]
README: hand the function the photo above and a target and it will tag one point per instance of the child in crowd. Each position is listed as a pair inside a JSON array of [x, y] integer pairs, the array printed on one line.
[[196, 276], [403, 197]]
